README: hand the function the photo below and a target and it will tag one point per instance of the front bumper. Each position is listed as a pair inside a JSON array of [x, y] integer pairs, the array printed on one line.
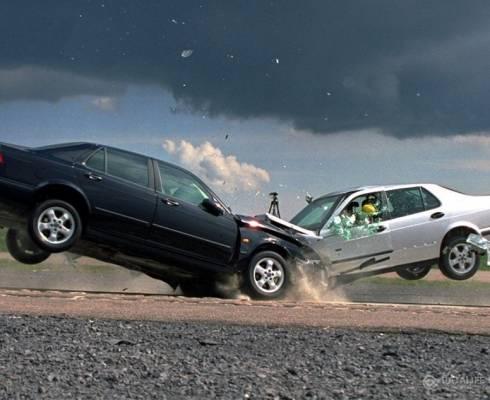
[[480, 245]]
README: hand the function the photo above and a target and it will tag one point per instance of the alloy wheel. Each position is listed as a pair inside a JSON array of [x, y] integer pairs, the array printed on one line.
[[56, 225]]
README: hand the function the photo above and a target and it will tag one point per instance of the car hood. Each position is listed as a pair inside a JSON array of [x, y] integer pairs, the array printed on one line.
[[277, 227]]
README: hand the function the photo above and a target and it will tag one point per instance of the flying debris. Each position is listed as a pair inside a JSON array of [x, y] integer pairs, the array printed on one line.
[[186, 53], [227, 136], [277, 60]]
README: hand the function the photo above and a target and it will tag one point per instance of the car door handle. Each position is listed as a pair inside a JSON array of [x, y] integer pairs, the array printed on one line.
[[380, 228], [437, 215], [93, 177], [170, 202]]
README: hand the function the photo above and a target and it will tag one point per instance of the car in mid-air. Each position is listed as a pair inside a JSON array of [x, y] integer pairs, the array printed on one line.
[[141, 213], [396, 228]]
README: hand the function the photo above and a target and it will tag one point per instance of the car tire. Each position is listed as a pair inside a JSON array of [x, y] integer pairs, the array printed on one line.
[[268, 276], [55, 226], [415, 272], [23, 249], [458, 260]]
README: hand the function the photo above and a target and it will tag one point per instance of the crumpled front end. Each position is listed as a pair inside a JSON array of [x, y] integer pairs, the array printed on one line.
[[293, 240], [480, 245]]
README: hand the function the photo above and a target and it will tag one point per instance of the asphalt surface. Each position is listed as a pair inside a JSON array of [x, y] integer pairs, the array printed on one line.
[[111, 345], [65, 358]]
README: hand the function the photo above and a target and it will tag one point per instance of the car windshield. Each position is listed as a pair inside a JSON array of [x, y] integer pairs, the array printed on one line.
[[315, 214]]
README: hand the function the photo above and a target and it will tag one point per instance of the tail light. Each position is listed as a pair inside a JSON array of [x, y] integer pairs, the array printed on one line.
[[2, 159]]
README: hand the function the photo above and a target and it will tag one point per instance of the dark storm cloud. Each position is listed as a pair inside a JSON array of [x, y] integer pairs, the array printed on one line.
[[406, 67]]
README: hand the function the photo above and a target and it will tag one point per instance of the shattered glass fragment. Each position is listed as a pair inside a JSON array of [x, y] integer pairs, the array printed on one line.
[[186, 53], [354, 226]]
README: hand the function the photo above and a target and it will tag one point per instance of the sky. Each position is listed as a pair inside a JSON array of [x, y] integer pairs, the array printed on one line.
[[259, 96]]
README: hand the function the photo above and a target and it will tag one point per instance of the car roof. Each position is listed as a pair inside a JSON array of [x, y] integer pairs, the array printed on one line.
[[97, 146], [378, 188]]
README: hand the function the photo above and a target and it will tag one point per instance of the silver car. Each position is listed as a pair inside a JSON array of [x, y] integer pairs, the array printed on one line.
[[403, 228]]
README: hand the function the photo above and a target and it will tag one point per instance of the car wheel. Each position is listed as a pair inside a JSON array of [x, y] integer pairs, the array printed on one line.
[[55, 226], [268, 276], [23, 249], [458, 260], [414, 272]]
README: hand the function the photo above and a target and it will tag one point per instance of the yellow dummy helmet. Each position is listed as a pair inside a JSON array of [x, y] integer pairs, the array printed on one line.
[[368, 209]]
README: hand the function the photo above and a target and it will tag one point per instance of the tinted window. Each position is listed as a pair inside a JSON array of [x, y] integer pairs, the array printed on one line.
[[405, 202], [430, 200], [97, 161], [181, 185], [69, 154], [131, 167]]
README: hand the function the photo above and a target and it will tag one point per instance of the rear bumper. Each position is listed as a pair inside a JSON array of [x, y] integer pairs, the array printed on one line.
[[15, 203]]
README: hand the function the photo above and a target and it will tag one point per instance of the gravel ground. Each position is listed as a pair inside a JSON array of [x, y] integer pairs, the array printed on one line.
[[48, 357]]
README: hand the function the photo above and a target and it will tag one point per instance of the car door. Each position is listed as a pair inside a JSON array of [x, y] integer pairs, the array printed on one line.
[[364, 245], [182, 225], [120, 189], [417, 224]]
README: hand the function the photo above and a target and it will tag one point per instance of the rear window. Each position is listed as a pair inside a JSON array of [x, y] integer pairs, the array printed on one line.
[[430, 200], [69, 154]]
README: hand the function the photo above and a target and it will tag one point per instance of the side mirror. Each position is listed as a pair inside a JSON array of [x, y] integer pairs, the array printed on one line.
[[212, 207]]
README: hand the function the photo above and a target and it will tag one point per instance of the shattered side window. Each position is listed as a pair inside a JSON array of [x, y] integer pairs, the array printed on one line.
[[182, 186], [360, 217]]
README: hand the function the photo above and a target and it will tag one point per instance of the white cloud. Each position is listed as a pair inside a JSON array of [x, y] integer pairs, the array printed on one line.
[[219, 170], [105, 103], [169, 146]]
